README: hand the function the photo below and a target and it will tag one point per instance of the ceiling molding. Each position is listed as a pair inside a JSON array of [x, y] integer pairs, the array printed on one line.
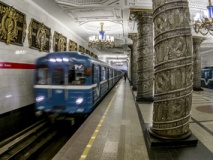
[[81, 2], [140, 10], [93, 13], [87, 3]]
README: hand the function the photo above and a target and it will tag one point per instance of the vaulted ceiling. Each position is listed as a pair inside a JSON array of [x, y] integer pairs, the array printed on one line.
[[83, 17]]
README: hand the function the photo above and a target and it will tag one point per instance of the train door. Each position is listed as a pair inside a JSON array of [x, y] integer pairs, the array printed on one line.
[[113, 77], [107, 76], [96, 80], [212, 74], [58, 89], [104, 85], [110, 80]]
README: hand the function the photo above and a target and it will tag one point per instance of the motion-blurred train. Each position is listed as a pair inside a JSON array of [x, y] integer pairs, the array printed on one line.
[[72, 82], [207, 77]]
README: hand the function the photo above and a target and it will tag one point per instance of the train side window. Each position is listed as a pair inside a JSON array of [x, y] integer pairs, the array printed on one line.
[[42, 76], [76, 74], [103, 73]]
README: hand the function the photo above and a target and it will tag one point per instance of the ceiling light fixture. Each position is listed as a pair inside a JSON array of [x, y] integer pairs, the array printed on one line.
[[101, 41], [203, 23]]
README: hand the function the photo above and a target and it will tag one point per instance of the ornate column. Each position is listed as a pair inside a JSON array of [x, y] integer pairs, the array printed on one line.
[[134, 38], [145, 68], [197, 63], [130, 64], [173, 70]]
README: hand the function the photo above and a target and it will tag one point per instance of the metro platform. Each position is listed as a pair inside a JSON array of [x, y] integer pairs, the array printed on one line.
[[116, 130]]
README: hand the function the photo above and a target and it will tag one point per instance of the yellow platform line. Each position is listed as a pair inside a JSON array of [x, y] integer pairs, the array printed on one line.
[[95, 133]]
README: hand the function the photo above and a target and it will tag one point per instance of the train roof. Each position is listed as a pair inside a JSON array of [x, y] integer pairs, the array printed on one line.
[[72, 54], [208, 67]]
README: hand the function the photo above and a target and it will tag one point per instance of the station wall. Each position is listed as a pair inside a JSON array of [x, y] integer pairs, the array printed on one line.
[[16, 62]]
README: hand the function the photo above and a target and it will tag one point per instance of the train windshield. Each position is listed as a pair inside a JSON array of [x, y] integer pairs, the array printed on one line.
[[42, 75], [76, 74]]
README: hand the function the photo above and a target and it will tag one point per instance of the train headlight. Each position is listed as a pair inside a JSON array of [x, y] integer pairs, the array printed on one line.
[[79, 100], [39, 98]]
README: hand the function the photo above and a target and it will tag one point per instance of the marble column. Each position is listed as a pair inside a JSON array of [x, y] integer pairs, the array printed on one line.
[[134, 38], [173, 70], [130, 64], [197, 63], [145, 67]]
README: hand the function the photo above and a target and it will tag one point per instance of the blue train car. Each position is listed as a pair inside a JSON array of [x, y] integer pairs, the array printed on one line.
[[71, 82], [207, 77]]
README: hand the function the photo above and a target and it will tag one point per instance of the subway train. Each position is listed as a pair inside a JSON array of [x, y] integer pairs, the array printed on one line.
[[207, 77], [71, 83]]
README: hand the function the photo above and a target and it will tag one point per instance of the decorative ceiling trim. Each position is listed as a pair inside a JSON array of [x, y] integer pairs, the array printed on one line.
[[81, 2], [117, 3], [198, 4], [140, 10], [93, 13]]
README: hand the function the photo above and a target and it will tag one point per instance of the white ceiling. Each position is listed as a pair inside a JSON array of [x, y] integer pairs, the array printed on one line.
[[84, 17]]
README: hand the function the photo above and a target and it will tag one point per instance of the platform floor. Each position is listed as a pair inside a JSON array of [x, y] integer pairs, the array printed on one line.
[[116, 130]]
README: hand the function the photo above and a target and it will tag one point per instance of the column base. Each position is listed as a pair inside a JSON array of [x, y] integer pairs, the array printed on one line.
[[197, 89], [159, 141], [134, 88], [144, 99]]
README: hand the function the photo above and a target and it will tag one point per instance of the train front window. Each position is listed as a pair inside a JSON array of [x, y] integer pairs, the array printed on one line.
[[42, 76], [206, 74], [58, 76], [76, 74]]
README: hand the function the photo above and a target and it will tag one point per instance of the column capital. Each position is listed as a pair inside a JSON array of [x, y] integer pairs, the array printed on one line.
[[136, 14], [197, 40], [133, 36]]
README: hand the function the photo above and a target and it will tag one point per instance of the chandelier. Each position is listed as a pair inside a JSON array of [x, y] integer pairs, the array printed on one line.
[[203, 23], [101, 41]]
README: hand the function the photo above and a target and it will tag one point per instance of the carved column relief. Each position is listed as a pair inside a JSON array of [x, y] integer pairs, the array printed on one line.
[[134, 38], [173, 69], [197, 63], [145, 69]]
